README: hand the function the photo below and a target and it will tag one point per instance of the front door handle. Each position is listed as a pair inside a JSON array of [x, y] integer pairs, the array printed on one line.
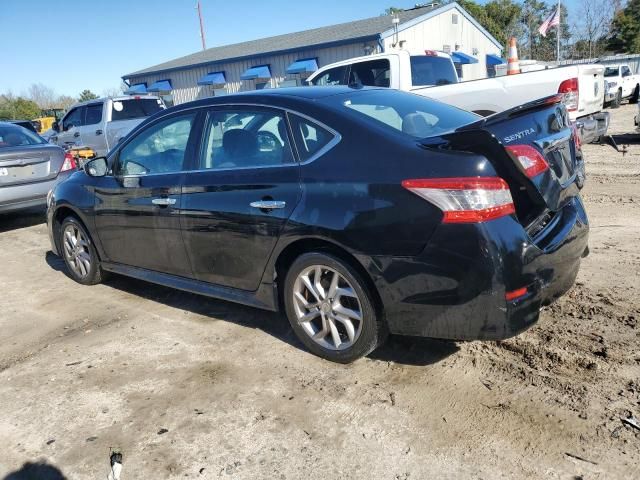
[[163, 202], [268, 204], [98, 132], [77, 134]]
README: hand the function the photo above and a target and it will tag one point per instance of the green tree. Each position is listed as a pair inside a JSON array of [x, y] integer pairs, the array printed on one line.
[[86, 95], [17, 108], [392, 11], [625, 29]]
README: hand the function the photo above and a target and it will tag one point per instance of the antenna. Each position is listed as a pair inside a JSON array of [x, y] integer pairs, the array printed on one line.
[[204, 41]]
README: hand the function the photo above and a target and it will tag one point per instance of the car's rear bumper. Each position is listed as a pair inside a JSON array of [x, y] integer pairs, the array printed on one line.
[[456, 287], [28, 195], [593, 126]]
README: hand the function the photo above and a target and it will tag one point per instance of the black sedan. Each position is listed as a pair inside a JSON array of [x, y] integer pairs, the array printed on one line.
[[358, 211]]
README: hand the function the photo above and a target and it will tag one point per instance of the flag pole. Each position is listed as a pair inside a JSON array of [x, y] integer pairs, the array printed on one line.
[[558, 34]]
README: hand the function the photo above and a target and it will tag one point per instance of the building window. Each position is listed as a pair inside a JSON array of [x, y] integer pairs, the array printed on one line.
[[446, 49], [454, 18]]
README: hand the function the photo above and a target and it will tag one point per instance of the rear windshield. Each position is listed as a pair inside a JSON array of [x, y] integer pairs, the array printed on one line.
[[16, 136], [134, 108], [431, 70], [414, 115], [611, 72]]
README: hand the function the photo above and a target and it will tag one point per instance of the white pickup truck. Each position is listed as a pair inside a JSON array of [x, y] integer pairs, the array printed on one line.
[[100, 124], [433, 75], [621, 84]]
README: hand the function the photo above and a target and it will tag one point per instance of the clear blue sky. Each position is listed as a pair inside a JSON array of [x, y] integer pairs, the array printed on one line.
[[71, 45]]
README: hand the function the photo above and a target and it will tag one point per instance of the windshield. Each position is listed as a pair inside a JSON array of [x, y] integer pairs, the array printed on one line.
[[611, 72], [16, 136], [431, 70], [129, 109], [414, 115]]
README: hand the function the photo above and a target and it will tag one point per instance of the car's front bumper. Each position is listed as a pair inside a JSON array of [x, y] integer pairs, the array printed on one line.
[[455, 289]]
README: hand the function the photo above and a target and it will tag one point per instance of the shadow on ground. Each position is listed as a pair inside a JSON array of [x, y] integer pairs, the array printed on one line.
[[22, 219], [404, 350], [36, 471]]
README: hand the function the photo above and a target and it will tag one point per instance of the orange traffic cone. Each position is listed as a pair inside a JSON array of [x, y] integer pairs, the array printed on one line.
[[513, 66]]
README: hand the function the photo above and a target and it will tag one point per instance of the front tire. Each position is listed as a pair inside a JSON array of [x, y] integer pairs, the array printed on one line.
[[617, 100], [636, 94], [79, 253], [331, 309]]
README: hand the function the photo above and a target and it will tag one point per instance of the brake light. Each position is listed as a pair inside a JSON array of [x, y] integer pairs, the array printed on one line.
[[69, 162], [569, 88], [466, 199], [531, 159], [512, 295]]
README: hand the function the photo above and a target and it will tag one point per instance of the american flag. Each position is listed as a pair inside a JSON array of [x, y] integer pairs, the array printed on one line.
[[551, 21]]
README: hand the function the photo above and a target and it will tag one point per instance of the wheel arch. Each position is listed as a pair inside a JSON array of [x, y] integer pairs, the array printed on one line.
[[295, 249], [63, 211]]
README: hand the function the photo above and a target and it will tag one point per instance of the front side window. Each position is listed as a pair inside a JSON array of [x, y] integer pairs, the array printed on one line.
[[374, 73], [626, 71], [93, 114], [73, 119], [160, 148], [310, 137], [248, 138], [333, 76]]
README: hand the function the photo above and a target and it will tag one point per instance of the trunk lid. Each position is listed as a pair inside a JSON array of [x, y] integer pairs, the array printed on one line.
[[542, 125], [29, 164]]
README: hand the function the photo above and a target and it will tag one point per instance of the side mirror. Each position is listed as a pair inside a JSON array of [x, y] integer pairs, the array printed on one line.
[[55, 126], [96, 167]]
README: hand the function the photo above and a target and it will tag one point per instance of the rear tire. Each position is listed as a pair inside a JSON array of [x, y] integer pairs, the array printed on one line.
[[79, 253], [617, 100], [331, 309]]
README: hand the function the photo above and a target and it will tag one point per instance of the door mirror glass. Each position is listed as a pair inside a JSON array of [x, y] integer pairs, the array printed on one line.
[[97, 167], [55, 127]]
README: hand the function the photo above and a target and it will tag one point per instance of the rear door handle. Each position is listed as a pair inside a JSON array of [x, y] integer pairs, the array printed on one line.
[[163, 202], [77, 134], [268, 204]]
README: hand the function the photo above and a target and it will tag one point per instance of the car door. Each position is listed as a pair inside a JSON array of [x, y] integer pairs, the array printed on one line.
[[70, 126], [137, 207], [238, 197], [91, 133], [625, 73]]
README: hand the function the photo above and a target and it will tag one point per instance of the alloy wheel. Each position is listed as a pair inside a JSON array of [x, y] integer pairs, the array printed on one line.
[[327, 307], [76, 250]]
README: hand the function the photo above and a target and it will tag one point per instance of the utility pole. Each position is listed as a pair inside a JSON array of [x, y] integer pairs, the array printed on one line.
[[204, 41]]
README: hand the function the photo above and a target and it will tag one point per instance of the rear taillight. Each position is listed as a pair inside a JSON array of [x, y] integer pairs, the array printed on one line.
[[531, 159], [467, 199], [69, 163], [515, 294], [569, 88]]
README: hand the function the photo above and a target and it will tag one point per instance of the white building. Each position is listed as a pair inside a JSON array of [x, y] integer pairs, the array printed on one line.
[[286, 59]]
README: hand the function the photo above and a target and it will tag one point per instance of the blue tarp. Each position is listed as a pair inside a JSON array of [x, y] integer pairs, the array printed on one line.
[[459, 57], [307, 65], [213, 78], [493, 59], [252, 73], [160, 86], [137, 88]]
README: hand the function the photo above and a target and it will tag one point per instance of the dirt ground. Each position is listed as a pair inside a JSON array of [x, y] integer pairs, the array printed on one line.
[[191, 387]]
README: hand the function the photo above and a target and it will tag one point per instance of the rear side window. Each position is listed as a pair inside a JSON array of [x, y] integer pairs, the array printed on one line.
[[73, 119], [611, 72], [93, 114], [414, 115], [310, 137], [333, 76], [134, 108], [248, 138], [431, 70], [375, 73]]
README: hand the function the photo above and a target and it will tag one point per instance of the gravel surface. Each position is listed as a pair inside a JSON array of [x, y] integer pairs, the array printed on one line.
[[186, 386]]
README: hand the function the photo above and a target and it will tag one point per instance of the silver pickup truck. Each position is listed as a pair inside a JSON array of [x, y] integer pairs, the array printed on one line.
[[100, 123]]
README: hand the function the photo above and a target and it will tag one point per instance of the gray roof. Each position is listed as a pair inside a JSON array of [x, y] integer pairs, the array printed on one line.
[[360, 29]]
